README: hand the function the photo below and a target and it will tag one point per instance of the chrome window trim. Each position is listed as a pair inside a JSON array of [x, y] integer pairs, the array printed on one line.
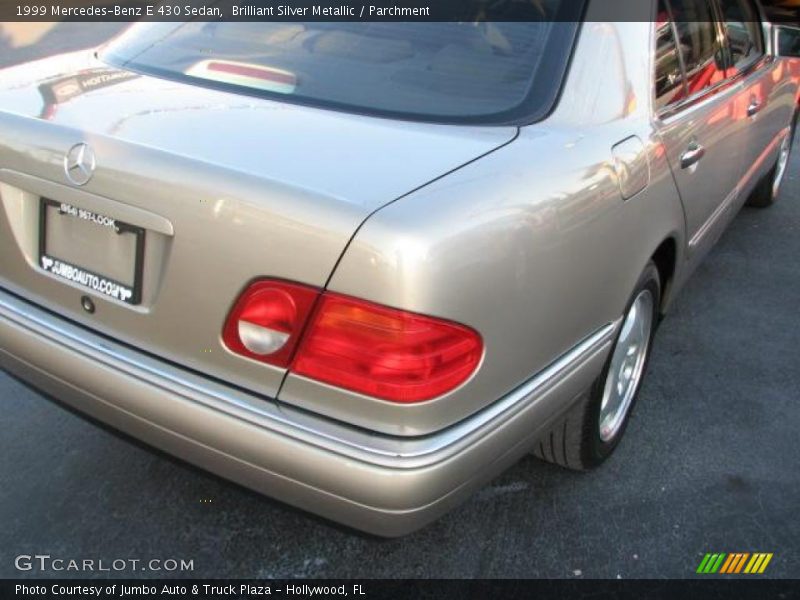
[[397, 452]]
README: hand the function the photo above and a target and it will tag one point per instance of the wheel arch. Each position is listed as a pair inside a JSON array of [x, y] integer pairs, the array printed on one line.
[[665, 258]]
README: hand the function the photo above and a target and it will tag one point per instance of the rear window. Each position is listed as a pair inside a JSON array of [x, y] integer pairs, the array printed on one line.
[[670, 86], [498, 72], [743, 29]]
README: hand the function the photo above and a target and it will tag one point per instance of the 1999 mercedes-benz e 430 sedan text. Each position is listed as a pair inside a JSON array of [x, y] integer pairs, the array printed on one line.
[[364, 267]]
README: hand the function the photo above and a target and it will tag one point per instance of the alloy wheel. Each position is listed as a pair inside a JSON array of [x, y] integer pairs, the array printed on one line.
[[627, 365]]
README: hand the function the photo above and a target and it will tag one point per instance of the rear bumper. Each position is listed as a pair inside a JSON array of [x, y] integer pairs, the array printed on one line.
[[384, 485]]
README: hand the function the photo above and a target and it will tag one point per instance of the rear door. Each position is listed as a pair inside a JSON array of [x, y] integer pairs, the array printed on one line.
[[695, 104], [751, 66]]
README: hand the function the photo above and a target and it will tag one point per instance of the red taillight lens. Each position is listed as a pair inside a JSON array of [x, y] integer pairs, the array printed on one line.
[[385, 353], [350, 343], [268, 319]]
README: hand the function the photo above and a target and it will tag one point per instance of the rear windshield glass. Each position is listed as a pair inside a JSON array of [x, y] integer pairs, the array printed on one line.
[[463, 72]]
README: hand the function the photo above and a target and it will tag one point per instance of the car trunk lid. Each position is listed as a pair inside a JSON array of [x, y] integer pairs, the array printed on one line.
[[225, 188]]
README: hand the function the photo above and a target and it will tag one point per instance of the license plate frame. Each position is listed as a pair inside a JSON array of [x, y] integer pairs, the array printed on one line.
[[81, 275]]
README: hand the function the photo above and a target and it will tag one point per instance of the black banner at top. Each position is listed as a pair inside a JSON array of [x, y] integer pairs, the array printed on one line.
[[787, 11]]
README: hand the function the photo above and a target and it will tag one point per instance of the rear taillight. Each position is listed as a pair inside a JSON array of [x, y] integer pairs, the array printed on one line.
[[268, 319], [353, 344], [384, 352]]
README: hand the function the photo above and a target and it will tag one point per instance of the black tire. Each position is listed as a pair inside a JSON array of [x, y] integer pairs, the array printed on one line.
[[574, 441], [764, 196]]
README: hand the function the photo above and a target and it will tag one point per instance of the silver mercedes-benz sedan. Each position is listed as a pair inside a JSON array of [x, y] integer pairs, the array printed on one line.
[[364, 267]]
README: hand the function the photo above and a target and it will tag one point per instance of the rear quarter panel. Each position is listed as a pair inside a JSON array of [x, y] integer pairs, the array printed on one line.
[[532, 245]]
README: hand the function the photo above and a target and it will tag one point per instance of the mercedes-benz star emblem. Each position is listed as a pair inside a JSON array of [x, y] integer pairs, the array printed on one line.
[[79, 164]]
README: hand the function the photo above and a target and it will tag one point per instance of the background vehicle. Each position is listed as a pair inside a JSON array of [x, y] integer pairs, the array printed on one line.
[[411, 240]]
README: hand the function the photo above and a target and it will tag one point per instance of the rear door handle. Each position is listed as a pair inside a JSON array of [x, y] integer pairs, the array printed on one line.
[[754, 108], [692, 155]]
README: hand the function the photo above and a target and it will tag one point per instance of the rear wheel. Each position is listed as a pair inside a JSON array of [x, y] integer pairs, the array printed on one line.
[[768, 190], [592, 429]]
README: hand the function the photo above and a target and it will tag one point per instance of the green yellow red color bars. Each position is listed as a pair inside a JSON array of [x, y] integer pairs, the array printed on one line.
[[734, 563]]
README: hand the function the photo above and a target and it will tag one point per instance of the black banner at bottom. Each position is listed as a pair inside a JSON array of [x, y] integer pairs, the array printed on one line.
[[373, 589]]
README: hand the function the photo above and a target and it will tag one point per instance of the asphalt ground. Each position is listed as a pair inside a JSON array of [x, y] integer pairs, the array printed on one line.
[[710, 462]]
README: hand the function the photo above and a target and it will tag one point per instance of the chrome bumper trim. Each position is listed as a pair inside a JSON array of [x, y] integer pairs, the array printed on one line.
[[354, 443]]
